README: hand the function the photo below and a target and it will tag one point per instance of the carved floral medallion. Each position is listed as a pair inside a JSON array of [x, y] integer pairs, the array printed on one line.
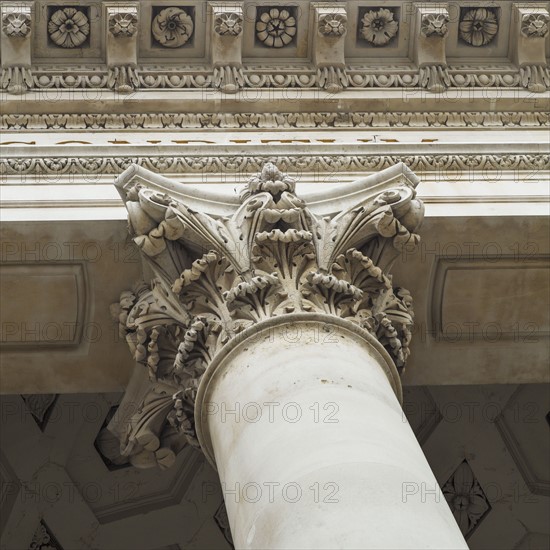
[[478, 27], [379, 26], [69, 28], [276, 28], [172, 27]]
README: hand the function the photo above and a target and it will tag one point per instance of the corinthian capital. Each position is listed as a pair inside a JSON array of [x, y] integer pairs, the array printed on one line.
[[222, 265]]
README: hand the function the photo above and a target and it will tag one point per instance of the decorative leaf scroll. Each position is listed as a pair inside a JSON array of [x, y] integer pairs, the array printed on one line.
[[216, 276]]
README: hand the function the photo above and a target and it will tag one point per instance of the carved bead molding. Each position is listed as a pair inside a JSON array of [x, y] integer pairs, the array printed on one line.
[[447, 165], [267, 254]]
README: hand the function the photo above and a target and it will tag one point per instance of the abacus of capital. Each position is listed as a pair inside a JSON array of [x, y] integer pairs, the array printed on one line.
[[271, 337]]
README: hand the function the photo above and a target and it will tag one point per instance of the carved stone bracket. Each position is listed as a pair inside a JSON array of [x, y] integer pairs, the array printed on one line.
[[15, 46], [226, 46], [122, 45], [330, 22], [429, 37], [529, 30], [222, 265]]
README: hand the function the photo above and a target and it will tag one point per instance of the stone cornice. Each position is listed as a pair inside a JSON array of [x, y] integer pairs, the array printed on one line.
[[229, 46]]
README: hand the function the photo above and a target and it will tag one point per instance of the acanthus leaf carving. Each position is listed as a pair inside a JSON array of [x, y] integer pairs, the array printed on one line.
[[332, 79], [536, 78], [215, 276], [16, 80], [434, 78], [123, 79], [228, 79]]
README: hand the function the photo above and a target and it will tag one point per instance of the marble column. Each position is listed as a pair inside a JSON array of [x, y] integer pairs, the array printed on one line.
[[271, 337], [303, 422]]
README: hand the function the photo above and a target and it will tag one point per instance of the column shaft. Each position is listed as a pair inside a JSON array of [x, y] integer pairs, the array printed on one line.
[[312, 447]]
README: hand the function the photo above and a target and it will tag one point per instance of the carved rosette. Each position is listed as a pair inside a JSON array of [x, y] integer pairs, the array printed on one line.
[[228, 24], [123, 24], [333, 24], [276, 28], [478, 27], [216, 276], [379, 26], [69, 27], [172, 27], [535, 25], [16, 24], [435, 24]]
